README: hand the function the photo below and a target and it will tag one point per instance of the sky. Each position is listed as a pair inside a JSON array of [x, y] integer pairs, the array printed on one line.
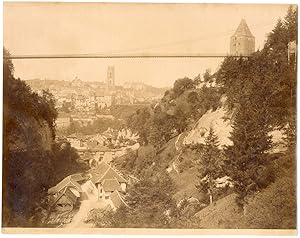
[[103, 28]]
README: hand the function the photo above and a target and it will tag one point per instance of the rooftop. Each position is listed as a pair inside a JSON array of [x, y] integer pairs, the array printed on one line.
[[104, 172], [99, 171], [70, 181], [243, 29], [110, 185], [110, 174]]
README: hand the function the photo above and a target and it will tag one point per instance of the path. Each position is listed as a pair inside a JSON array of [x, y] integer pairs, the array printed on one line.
[[177, 148], [85, 207]]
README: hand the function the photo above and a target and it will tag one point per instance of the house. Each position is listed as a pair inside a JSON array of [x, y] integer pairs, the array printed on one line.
[[76, 140], [99, 138], [91, 144], [103, 99], [108, 156], [107, 180], [63, 121], [67, 193], [67, 199], [90, 189], [108, 136], [100, 148], [103, 153]]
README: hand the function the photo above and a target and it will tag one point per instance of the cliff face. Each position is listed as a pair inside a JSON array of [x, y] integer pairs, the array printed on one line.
[[26, 162], [216, 120], [221, 122], [28, 134], [29, 160]]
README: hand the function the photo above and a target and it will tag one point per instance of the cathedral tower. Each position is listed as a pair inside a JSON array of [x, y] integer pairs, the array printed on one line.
[[110, 80], [242, 42]]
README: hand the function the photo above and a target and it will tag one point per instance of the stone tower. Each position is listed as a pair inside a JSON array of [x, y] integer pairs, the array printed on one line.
[[110, 80], [242, 42]]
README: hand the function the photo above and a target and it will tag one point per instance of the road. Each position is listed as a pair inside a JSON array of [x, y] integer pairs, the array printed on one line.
[[85, 207]]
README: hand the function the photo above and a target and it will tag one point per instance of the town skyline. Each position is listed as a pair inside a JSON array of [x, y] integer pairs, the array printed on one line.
[[128, 32]]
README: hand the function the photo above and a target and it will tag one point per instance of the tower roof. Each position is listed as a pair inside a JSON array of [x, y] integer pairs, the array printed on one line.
[[243, 29]]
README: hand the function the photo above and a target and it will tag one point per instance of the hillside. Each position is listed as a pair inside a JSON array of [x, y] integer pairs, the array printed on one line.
[[223, 214], [182, 167], [272, 208]]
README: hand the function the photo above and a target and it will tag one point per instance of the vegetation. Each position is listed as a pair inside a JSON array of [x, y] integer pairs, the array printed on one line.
[[180, 107], [261, 92], [277, 202], [29, 171], [98, 126], [149, 205], [211, 166]]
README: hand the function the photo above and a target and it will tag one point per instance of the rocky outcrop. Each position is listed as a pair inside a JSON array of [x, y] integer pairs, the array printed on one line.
[[215, 119], [221, 123], [29, 134]]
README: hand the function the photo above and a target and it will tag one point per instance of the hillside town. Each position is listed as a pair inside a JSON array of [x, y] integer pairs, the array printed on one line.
[[85, 102], [213, 150], [101, 186]]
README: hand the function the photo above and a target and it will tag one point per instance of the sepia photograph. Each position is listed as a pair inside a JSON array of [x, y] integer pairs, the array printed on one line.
[[172, 118]]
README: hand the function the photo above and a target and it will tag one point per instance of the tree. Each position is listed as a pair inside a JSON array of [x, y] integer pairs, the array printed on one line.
[[291, 22], [48, 110], [210, 165], [138, 122], [207, 76], [197, 80], [149, 204], [155, 137], [8, 67], [182, 85], [65, 160], [247, 157]]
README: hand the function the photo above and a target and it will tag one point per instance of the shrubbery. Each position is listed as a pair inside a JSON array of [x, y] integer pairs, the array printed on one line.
[[273, 207]]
